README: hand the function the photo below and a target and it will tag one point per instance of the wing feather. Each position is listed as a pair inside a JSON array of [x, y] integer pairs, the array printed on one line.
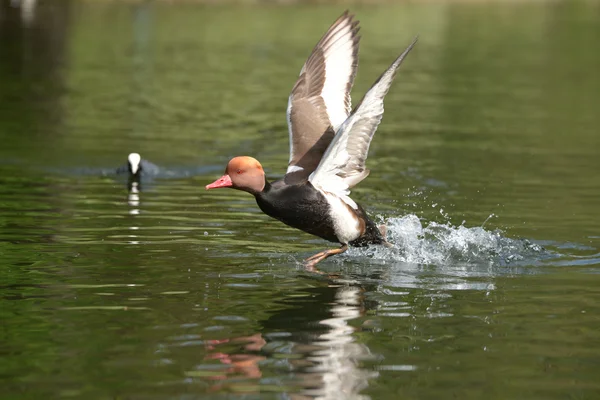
[[343, 164], [320, 100]]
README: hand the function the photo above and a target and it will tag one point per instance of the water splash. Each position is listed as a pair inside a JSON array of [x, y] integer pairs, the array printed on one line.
[[443, 243]]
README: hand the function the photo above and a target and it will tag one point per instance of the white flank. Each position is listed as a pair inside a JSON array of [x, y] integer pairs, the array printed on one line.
[[134, 161], [338, 72], [345, 223]]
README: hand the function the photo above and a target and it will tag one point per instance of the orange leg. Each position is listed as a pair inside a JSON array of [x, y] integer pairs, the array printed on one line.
[[317, 258]]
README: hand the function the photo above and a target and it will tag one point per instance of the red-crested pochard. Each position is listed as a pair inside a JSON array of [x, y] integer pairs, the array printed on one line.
[[328, 147]]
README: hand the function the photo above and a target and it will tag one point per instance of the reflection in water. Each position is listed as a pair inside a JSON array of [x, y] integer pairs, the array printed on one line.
[[240, 364], [337, 359], [133, 199], [325, 364]]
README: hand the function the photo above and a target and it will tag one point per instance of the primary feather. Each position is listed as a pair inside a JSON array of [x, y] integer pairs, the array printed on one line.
[[343, 164]]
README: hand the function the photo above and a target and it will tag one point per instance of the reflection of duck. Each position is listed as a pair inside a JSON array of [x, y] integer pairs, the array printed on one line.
[[315, 343], [137, 168], [328, 147]]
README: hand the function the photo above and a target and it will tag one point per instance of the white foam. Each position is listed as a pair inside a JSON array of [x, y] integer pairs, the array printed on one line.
[[440, 244]]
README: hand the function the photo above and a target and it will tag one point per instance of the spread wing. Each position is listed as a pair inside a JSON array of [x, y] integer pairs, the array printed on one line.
[[343, 164], [320, 100]]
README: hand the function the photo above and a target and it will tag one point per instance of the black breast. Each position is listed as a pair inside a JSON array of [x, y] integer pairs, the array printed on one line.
[[300, 206]]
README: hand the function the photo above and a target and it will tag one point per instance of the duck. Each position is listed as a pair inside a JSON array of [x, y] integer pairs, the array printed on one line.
[[329, 144]]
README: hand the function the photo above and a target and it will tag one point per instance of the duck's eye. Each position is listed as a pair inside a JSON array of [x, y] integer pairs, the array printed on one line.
[[239, 171]]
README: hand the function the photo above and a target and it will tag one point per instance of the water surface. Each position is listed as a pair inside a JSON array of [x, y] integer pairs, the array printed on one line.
[[485, 169]]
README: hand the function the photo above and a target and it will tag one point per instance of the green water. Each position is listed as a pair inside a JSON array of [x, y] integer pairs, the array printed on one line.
[[180, 293]]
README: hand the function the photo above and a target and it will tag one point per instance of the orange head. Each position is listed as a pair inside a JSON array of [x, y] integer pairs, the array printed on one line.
[[243, 173]]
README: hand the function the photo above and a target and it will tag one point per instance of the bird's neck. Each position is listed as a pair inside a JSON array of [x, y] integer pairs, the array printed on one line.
[[267, 186]]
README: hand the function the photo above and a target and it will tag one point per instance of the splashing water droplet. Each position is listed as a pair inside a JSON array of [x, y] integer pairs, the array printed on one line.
[[437, 243]]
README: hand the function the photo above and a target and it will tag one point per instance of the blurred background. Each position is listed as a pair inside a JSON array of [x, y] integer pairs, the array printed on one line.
[[485, 169]]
